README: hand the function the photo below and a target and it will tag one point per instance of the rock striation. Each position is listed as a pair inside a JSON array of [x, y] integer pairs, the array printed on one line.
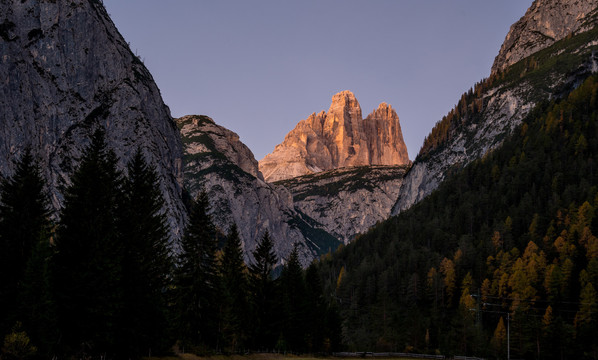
[[338, 138], [65, 71], [544, 23]]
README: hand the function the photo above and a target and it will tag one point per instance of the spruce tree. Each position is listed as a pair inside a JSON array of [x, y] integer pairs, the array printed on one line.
[[263, 293], [196, 279], [89, 253], [146, 264], [24, 241], [234, 287], [316, 327], [293, 302]]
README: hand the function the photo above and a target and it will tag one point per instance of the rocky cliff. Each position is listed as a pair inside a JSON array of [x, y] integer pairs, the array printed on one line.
[[347, 201], [338, 138], [544, 23], [218, 163], [66, 70], [493, 108]]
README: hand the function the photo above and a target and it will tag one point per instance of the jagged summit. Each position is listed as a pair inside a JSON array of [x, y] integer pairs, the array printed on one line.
[[338, 138], [544, 23]]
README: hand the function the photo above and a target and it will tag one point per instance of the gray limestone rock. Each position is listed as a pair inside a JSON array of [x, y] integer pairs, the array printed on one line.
[[66, 70]]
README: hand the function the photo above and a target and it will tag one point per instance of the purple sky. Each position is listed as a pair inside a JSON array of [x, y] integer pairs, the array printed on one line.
[[258, 67]]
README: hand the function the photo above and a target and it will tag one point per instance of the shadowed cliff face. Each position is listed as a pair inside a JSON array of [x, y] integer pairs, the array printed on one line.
[[66, 71], [544, 23], [338, 138]]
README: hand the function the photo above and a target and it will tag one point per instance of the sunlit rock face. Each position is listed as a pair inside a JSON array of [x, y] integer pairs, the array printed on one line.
[[544, 23], [65, 71], [338, 138]]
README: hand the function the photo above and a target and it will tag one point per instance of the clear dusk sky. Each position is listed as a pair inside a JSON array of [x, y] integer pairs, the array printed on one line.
[[258, 67]]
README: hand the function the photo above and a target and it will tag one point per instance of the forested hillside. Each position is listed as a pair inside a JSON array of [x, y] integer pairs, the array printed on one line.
[[507, 241]]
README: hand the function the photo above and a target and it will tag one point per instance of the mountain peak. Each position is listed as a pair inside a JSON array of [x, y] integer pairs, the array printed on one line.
[[345, 102], [338, 138]]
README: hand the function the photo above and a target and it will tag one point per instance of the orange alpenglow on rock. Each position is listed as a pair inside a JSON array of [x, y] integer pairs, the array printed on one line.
[[338, 138]]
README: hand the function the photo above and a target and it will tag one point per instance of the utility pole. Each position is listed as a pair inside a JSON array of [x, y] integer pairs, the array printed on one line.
[[508, 336], [478, 311]]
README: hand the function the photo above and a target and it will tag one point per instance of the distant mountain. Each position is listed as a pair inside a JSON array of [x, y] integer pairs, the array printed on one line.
[[318, 211], [66, 71], [338, 138], [487, 113]]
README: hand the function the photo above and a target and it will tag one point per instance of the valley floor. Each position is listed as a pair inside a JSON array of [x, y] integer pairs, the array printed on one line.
[[266, 356]]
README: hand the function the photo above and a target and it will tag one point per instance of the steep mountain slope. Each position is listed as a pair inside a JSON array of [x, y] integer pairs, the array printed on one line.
[[338, 138], [489, 111], [347, 201], [513, 233], [544, 23], [218, 163], [65, 71]]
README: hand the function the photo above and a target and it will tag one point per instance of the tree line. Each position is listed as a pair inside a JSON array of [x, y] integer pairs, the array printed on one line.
[[105, 281]]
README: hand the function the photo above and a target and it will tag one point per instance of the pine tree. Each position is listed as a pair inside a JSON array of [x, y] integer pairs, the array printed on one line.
[[263, 293], [196, 279], [234, 287], [24, 250], [147, 264], [89, 251]]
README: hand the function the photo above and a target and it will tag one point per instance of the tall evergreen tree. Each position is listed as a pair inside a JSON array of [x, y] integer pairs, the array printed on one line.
[[197, 279], [234, 303], [316, 325], [89, 252], [263, 293], [24, 231], [293, 302], [146, 264]]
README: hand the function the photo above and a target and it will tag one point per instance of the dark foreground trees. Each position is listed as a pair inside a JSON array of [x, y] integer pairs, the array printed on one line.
[[111, 267], [25, 253], [102, 282], [196, 281]]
